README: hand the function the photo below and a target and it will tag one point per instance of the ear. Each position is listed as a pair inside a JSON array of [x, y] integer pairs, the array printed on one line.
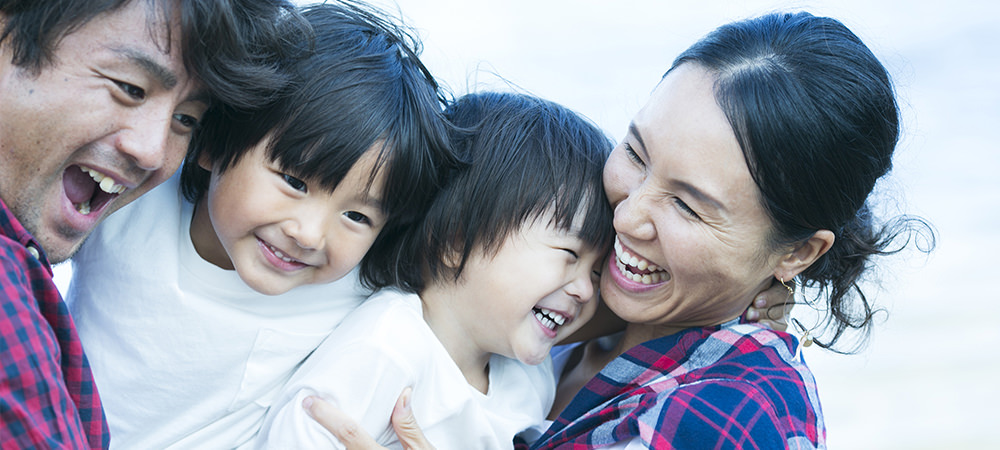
[[804, 255], [204, 161]]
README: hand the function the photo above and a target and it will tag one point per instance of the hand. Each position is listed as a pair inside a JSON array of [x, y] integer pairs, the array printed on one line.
[[347, 430], [772, 307]]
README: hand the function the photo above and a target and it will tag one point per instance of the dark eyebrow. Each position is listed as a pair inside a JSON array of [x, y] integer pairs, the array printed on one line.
[[638, 137], [166, 77], [698, 194]]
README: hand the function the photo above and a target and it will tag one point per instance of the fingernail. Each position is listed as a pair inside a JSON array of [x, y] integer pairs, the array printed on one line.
[[760, 302], [307, 404]]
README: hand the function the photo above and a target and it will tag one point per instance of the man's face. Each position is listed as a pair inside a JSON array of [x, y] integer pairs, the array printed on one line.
[[106, 121]]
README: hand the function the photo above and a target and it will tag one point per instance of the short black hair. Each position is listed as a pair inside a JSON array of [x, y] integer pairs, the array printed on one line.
[[527, 157], [357, 83], [227, 45]]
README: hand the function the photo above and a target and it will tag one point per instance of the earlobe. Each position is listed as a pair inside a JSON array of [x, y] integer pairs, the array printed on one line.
[[804, 254]]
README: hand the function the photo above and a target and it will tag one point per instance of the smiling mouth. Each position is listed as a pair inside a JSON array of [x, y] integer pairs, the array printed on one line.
[[548, 318], [637, 268], [89, 190]]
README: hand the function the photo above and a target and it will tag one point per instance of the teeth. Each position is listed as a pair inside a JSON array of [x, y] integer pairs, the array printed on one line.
[[106, 183], [281, 255], [549, 318], [648, 278], [83, 208]]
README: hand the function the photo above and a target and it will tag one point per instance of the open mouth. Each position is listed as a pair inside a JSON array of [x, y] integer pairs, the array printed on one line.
[[637, 268], [278, 258], [88, 189], [550, 319]]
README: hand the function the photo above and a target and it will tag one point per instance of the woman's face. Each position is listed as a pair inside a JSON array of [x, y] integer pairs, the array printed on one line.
[[691, 247]]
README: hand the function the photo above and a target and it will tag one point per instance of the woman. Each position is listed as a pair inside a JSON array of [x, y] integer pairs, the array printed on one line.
[[752, 161]]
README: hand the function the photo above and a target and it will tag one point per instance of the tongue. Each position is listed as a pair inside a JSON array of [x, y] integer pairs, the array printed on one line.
[[79, 186]]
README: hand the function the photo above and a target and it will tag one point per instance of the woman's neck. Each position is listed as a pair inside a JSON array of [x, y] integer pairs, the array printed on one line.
[[443, 311]]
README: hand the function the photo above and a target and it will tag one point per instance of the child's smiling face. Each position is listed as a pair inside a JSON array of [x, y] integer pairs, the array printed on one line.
[[278, 231], [539, 287]]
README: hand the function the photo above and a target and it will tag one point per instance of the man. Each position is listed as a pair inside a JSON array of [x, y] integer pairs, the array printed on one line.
[[99, 100]]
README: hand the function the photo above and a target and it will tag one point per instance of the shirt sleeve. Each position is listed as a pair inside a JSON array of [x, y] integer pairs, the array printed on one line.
[[363, 377], [36, 408]]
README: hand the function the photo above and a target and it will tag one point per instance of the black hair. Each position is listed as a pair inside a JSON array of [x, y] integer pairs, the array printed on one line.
[[357, 84], [527, 157], [229, 46], [815, 114]]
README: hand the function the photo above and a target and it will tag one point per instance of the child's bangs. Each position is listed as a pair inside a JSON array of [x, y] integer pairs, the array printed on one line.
[[322, 161]]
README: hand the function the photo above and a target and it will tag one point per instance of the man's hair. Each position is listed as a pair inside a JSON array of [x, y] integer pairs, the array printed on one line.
[[228, 45], [527, 158], [355, 84]]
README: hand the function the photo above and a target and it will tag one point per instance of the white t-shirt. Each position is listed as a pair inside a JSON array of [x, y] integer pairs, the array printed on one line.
[[183, 352], [385, 346]]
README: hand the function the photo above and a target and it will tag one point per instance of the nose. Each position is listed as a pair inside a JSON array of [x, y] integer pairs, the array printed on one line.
[[632, 216], [307, 227], [147, 139], [581, 287]]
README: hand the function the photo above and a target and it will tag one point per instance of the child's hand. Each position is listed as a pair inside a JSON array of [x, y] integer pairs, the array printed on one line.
[[347, 430], [772, 307]]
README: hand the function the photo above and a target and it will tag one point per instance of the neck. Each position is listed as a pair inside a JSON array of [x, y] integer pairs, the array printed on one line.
[[443, 310], [204, 239]]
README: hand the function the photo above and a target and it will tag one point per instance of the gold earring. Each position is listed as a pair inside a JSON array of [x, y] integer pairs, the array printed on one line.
[[791, 292], [804, 341]]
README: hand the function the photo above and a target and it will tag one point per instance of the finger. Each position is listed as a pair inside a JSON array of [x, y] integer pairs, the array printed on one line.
[[345, 428], [405, 424]]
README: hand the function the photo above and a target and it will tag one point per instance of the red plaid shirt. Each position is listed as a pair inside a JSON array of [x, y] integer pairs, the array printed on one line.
[[727, 387], [47, 394]]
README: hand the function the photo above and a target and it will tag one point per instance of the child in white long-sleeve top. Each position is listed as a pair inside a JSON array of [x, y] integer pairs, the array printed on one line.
[[503, 266]]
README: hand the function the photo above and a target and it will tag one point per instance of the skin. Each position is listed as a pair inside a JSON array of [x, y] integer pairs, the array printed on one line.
[[279, 232], [493, 307], [112, 101]]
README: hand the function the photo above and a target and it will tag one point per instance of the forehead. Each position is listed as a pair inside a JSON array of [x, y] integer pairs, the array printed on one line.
[[683, 121], [139, 27]]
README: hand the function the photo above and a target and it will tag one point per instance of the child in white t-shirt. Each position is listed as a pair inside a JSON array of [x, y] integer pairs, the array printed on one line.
[[504, 265], [195, 309]]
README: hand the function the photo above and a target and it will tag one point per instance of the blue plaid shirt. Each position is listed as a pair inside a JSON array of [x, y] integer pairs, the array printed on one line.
[[47, 393], [726, 387]]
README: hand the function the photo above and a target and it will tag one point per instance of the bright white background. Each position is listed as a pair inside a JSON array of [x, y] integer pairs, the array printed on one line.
[[923, 383]]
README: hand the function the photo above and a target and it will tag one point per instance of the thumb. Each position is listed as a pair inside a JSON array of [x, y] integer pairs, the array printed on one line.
[[405, 424]]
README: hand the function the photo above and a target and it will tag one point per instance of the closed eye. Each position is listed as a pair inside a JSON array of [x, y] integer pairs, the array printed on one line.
[[687, 209], [633, 155], [571, 252]]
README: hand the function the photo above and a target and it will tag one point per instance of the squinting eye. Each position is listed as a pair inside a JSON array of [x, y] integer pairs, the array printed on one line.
[[131, 90], [295, 183], [187, 121], [358, 217]]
